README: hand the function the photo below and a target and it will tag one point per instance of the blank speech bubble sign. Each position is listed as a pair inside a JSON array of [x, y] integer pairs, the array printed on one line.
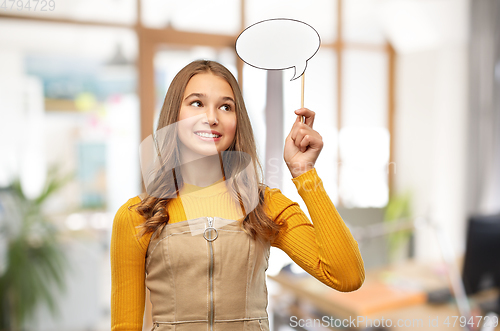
[[278, 44]]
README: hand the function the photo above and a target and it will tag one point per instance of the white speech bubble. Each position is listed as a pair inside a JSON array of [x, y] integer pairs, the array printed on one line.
[[278, 43]]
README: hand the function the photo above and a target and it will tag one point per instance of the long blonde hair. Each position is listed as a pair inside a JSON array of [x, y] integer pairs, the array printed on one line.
[[257, 223]]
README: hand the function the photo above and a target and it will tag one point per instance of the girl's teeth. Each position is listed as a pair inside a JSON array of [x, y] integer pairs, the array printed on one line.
[[207, 135]]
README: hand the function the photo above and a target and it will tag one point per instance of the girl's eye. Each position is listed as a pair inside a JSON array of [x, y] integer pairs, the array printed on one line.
[[196, 103], [226, 107]]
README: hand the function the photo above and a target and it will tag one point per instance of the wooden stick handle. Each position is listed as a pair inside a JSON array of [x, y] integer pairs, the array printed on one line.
[[302, 95]]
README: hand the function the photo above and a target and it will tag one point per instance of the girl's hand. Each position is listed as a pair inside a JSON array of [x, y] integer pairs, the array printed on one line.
[[303, 144]]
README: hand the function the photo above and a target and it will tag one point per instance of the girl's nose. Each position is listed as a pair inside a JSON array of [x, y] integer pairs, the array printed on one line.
[[212, 115]]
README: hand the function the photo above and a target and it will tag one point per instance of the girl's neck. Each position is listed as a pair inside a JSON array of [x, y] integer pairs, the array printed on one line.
[[202, 172]]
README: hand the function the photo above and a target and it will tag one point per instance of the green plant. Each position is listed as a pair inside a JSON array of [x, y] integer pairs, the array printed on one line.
[[35, 259], [398, 209]]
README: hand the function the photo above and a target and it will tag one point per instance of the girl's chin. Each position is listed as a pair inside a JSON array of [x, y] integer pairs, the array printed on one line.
[[207, 145], [203, 148], [207, 151]]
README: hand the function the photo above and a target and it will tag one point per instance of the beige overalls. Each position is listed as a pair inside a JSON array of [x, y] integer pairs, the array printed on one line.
[[207, 274]]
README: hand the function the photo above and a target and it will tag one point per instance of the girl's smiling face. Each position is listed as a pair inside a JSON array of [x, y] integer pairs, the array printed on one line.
[[207, 106]]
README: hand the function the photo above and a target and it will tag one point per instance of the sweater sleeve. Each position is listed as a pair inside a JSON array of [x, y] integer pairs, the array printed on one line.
[[128, 290], [324, 248]]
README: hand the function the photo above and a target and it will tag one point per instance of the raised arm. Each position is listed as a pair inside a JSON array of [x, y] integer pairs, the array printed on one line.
[[128, 289], [324, 248]]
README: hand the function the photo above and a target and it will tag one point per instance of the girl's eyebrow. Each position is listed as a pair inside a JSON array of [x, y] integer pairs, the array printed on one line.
[[198, 95], [228, 98], [202, 95]]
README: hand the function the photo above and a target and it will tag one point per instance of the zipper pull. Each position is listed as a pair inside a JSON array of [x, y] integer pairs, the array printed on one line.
[[209, 228]]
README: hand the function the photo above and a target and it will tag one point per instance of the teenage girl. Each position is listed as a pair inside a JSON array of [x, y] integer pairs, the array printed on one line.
[[194, 245]]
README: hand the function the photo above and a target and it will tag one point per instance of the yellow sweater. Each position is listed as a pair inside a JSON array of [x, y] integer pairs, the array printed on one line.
[[324, 248]]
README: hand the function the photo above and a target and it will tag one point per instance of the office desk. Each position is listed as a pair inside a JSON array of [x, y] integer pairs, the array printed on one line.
[[395, 295]]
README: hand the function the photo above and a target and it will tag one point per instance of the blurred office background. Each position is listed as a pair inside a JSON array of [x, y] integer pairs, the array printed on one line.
[[406, 95]]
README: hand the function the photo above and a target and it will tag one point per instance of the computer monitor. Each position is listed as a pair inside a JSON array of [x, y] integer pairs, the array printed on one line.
[[481, 269]]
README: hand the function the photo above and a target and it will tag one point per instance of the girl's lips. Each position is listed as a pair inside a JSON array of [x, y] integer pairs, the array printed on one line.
[[208, 138]]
